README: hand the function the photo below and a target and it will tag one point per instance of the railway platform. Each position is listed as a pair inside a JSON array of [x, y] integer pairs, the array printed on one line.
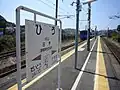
[[96, 70]]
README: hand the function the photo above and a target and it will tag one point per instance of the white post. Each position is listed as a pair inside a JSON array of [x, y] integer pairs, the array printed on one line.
[[59, 73], [34, 17], [18, 50], [59, 58]]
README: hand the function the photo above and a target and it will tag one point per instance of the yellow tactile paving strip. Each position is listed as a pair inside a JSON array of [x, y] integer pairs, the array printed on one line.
[[101, 83], [14, 87]]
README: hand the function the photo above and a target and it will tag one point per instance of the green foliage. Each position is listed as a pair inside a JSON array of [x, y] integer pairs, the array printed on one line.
[[114, 36], [7, 42], [3, 25], [119, 38], [1, 29], [118, 28]]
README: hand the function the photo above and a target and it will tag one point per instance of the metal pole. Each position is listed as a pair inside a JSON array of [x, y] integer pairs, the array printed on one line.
[[59, 70], [56, 11], [108, 32], [95, 32], [76, 31], [34, 17], [18, 50], [59, 59], [89, 23]]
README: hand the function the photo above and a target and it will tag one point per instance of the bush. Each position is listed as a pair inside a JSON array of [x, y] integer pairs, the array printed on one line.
[[118, 28], [114, 36], [7, 42]]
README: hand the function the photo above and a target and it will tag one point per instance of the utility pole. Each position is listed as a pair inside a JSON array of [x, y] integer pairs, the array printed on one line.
[[89, 26], [108, 32], [76, 31], [89, 22], [95, 32], [56, 11]]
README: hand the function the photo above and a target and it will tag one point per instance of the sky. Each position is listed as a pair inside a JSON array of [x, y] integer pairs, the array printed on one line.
[[101, 10]]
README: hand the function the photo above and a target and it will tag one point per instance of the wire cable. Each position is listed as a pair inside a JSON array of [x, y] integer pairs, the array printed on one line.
[[84, 10], [53, 7], [48, 5], [59, 7]]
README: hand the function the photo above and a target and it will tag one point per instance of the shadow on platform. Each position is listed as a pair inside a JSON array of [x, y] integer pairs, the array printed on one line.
[[98, 74], [102, 52]]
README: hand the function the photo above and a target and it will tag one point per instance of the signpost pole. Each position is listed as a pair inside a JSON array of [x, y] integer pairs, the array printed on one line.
[[59, 58], [34, 17], [18, 50]]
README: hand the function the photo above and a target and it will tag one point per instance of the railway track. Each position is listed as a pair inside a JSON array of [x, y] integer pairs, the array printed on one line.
[[10, 69], [113, 48], [11, 53]]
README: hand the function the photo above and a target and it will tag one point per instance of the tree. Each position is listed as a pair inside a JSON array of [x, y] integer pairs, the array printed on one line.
[[118, 28], [7, 42], [2, 24]]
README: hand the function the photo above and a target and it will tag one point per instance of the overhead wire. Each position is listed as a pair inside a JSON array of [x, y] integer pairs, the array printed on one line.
[[48, 5], [84, 10], [53, 7], [71, 19], [59, 7], [66, 7], [50, 2], [108, 24]]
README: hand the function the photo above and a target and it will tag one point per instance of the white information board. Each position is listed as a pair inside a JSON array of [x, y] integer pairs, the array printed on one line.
[[41, 42]]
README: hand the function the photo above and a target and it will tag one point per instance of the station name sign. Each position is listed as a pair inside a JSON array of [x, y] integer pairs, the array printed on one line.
[[41, 42]]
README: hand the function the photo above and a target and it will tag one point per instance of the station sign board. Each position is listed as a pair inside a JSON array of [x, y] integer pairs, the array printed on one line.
[[41, 43]]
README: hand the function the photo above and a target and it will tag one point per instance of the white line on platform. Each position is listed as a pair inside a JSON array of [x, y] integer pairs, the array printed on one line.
[[81, 49], [83, 68]]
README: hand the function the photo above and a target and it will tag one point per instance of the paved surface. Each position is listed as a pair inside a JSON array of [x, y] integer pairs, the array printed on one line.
[[96, 70]]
